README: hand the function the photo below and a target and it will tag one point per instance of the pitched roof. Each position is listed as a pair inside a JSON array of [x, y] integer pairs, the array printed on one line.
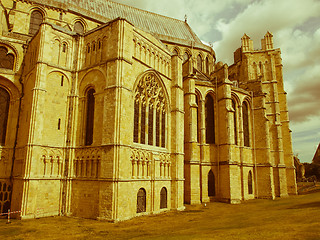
[[316, 158], [163, 27]]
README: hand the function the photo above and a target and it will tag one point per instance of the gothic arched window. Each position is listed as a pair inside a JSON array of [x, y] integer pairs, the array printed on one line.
[[211, 184], [141, 200], [35, 22], [6, 59], [64, 47], [163, 198], [150, 115], [210, 125], [185, 57], [4, 111], [78, 27], [89, 117], [250, 189], [198, 117], [245, 120], [235, 130], [175, 52], [207, 65], [199, 62]]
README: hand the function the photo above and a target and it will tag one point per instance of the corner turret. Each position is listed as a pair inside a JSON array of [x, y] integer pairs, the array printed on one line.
[[246, 43], [267, 42]]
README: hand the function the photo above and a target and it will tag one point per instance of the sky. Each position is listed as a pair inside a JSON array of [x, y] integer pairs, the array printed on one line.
[[295, 25]]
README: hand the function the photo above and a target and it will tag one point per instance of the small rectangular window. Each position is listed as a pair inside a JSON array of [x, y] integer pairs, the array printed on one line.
[[59, 123], [62, 80]]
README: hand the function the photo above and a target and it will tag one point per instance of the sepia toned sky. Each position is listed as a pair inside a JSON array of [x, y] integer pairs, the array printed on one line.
[[295, 25]]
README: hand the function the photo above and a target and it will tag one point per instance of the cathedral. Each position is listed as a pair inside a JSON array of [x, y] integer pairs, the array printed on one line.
[[111, 112]]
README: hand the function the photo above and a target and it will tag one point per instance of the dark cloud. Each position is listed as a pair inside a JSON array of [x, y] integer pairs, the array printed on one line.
[[304, 100]]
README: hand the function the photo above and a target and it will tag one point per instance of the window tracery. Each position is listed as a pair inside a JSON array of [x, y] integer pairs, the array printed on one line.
[[5, 197], [150, 112]]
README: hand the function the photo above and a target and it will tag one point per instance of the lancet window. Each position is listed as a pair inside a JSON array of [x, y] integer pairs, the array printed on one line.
[[235, 130], [199, 62], [4, 110], [210, 125], [198, 117], [207, 65], [211, 184], [245, 121], [35, 22], [250, 189], [185, 57], [90, 117], [150, 114]]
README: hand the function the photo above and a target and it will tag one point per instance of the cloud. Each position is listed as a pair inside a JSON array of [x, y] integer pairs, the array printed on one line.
[[304, 99], [295, 25], [306, 138], [261, 16]]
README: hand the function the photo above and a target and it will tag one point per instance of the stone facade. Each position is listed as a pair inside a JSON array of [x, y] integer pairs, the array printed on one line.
[[110, 118]]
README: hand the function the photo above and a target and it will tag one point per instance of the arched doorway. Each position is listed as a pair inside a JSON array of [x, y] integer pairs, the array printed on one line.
[[211, 184], [141, 200], [163, 198]]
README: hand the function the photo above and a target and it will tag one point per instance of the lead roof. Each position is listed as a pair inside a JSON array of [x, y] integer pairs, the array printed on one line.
[[165, 28]]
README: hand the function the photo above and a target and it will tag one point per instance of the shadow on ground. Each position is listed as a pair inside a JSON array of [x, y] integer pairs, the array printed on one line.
[[306, 205]]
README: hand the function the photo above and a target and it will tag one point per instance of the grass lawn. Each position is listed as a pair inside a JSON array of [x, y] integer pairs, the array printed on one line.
[[297, 217]]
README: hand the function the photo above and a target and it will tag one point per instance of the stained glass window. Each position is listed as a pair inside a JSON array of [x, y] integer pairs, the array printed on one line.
[[150, 120]]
